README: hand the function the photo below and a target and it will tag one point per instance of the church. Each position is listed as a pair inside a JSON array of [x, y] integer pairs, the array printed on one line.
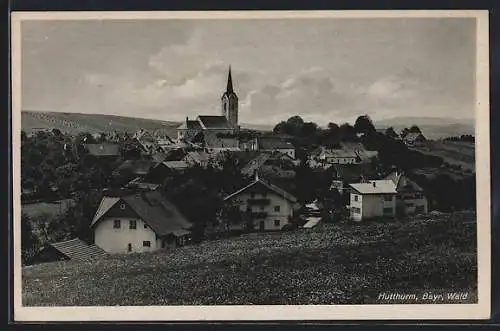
[[211, 126]]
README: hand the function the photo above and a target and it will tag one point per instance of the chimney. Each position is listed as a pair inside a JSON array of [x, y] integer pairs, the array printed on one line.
[[187, 119]]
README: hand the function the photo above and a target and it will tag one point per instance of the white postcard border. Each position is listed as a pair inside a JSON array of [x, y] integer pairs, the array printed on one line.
[[481, 310]]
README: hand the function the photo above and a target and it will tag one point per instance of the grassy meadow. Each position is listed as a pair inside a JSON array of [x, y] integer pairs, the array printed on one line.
[[344, 263]]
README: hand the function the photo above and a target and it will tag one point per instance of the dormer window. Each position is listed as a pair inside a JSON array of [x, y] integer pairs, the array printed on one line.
[[122, 206]]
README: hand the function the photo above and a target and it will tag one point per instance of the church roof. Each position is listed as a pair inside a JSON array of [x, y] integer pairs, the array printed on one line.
[[213, 122], [189, 125]]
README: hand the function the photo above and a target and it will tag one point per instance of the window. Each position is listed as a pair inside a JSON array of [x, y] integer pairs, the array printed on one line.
[[356, 198], [276, 222], [146, 243], [145, 226], [116, 224], [388, 211], [387, 197], [419, 209], [122, 206], [129, 248], [356, 210], [276, 208], [252, 195], [132, 225], [262, 207]]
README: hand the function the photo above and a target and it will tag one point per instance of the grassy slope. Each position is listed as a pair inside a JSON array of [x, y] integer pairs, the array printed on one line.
[[96, 123], [332, 264], [93, 123], [459, 153]]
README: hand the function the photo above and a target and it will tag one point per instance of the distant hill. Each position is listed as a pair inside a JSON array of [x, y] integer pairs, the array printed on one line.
[[95, 123], [432, 127]]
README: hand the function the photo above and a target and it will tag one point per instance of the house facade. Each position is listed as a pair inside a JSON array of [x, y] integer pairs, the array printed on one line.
[[269, 207], [374, 199], [139, 222], [410, 196], [272, 145]]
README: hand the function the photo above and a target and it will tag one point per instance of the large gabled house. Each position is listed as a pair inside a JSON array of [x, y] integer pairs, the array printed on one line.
[[269, 207], [139, 222], [410, 196]]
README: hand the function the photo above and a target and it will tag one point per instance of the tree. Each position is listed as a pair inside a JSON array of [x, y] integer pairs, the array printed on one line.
[[414, 129], [29, 242], [347, 132], [391, 133], [364, 125], [404, 132]]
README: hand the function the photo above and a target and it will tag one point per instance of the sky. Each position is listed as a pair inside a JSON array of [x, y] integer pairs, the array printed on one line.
[[325, 69]]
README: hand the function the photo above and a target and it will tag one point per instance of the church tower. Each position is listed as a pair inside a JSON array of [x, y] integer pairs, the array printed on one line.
[[230, 102]]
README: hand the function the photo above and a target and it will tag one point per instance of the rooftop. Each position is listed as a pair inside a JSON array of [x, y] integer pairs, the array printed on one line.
[[375, 187], [213, 122], [76, 249], [152, 207]]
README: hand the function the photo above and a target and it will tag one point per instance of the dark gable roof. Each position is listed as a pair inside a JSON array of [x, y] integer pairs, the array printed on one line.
[[103, 149], [274, 143], [76, 249], [189, 125], [403, 183], [153, 208], [214, 122]]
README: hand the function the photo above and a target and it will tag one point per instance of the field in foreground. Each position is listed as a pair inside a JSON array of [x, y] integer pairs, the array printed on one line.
[[332, 264]]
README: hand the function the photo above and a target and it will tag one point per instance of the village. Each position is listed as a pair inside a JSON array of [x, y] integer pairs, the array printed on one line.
[[262, 193]]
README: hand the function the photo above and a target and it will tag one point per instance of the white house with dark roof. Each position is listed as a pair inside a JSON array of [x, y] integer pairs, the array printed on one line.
[[410, 196], [269, 206], [374, 199], [139, 222]]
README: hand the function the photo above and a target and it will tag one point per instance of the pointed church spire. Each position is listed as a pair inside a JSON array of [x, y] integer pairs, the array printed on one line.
[[229, 88]]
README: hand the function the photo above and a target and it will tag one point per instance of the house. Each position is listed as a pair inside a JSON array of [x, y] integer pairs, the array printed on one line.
[[160, 171], [227, 122], [410, 197], [374, 199], [103, 150], [414, 139], [272, 144], [268, 206], [329, 156], [74, 249], [139, 222], [216, 143]]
